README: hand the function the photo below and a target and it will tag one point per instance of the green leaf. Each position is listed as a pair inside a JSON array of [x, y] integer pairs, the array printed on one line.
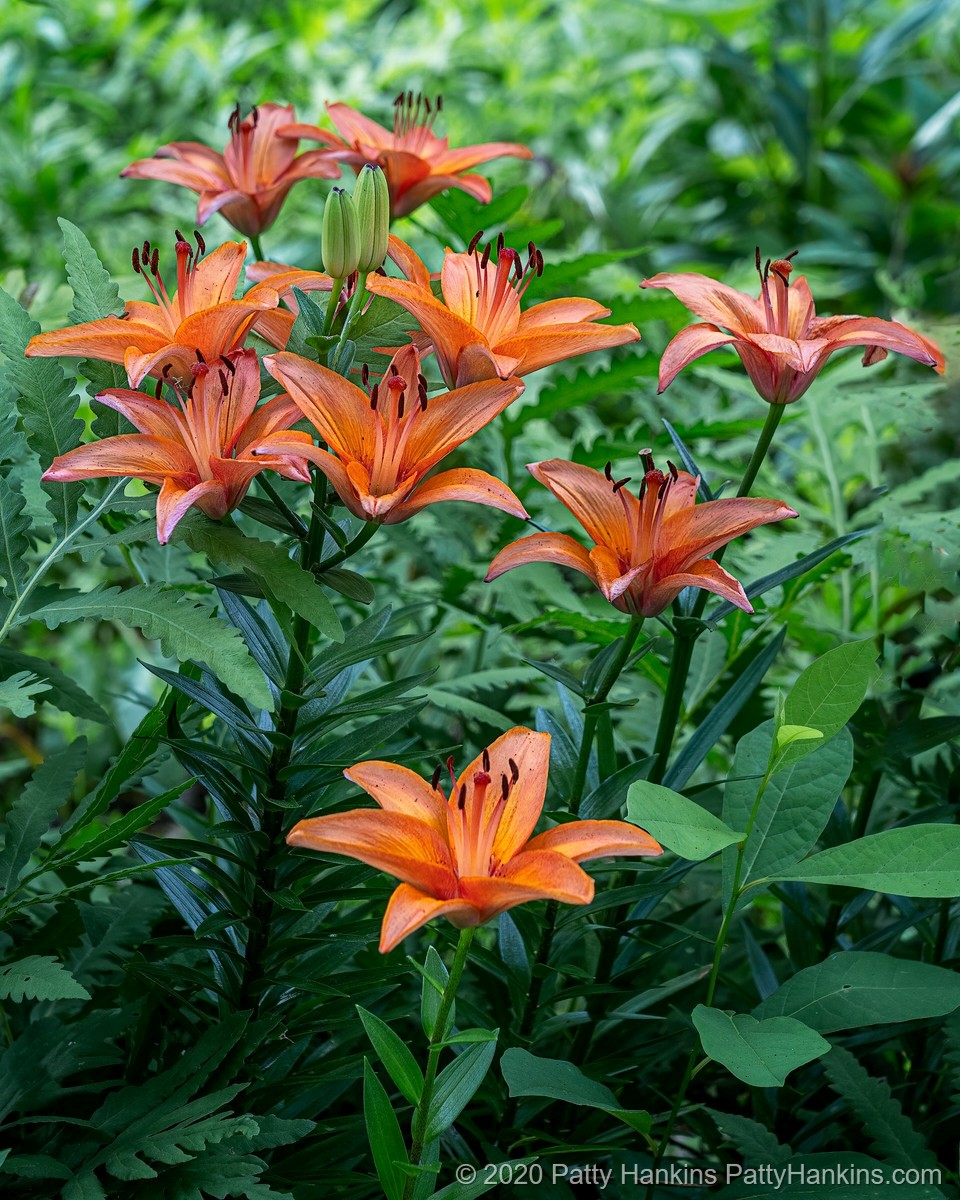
[[527, 1075], [383, 1135], [754, 1141], [456, 1085], [65, 694], [680, 824], [828, 693], [435, 976], [35, 808], [232, 550], [17, 693], [39, 978], [186, 631], [14, 540], [94, 293], [46, 402], [761, 1053], [395, 1055], [857, 988], [916, 860], [894, 1138], [795, 806]]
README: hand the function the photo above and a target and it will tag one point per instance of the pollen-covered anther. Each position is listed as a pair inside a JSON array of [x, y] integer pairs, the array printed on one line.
[[475, 241]]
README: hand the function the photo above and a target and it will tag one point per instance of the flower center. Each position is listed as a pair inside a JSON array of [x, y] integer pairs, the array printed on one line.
[[474, 813], [413, 120], [644, 516], [146, 262], [501, 284], [242, 135], [775, 295], [398, 403]]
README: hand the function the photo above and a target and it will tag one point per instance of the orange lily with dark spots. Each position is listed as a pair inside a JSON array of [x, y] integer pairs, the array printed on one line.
[[648, 548], [417, 164], [470, 856], [478, 329], [386, 441], [781, 341], [250, 180], [204, 451], [200, 322]]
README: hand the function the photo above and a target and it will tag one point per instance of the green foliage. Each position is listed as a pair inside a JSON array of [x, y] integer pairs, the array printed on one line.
[[39, 978], [761, 1053]]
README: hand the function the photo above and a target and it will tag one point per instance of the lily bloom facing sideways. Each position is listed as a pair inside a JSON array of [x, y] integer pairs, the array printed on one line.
[[250, 180], [781, 341], [470, 856], [385, 442], [201, 321], [200, 451], [648, 548], [478, 330], [417, 164]]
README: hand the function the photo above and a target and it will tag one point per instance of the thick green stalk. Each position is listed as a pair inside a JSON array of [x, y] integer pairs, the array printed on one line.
[[672, 702], [421, 1116], [332, 303], [257, 247]]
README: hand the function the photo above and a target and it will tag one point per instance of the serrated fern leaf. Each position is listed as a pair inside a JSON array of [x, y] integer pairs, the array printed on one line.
[[186, 631], [754, 1141], [18, 691], [46, 402], [14, 540], [39, 977], [894, 1137]]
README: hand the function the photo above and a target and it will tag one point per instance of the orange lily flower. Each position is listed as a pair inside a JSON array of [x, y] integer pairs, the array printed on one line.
[[478, 330], [468, 857], [417, 164], [200, 321], [250, 180], [204, 451], [385, 442], [781, 341], [275, 325], [647, 549]]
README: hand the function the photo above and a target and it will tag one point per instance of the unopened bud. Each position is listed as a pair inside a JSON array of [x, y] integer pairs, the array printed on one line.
[[371, 198], [341, 245]]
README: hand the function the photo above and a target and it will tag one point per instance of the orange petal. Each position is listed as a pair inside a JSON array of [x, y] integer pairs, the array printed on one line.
[[393, 842], [569, 311], [398, 789], [464, 483], [544, 547], [277, 446], [195, 177], [139, 364], [453, 417], [539, 347], [689, 344], [432, 185], [409, 262], [612, 579], [533, 875], [589, 495], [583, 840], [468, 297], [356, 128], [274, 327], [409, 908], [530, 752], [139, 455], [106, 340], [276, 416], [464, 158], [174, 501], [874, 332], [707, 575], [712, 301], [692, 534], [283, 280], [220, 329], [144, 412], [338, 409]]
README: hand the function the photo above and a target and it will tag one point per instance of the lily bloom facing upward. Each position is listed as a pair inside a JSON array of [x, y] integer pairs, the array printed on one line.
[[478, 330], [165, 339], [385, 442], [417, 164], [781, 341], [468, 857], [648, 548], [250, 180], [201, 451]]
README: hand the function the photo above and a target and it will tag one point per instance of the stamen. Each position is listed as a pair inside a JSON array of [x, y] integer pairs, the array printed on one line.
[[200, 357], [201, 244], [620, 483], [453, 776], [374, 396], [485, 759], [514, 771], [486, 257], [155, 263], [462, 798], [475, 241], [504, 789], [158, 389], [229, 364], [608, 472], [365, 374], [435, 781], [675, 474], [135, 259]]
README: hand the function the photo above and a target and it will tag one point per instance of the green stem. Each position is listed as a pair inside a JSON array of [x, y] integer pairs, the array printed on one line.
[[774, 416], [437, 1038], [257, 247], [53, 554], [332, 303], [672, 702], [364, 536], [356, 303], [296, 525]]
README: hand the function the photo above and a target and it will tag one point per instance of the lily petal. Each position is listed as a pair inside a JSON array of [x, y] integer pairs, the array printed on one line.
[[707, 575], [692, 534], [409, 908], [139, 455], [688, 345], [465, 158], [539, 347], [449, 333], [174, 501], [464, 483], [106, 339], [589, 495], [583, 840], [407, 848], [533, 875], [398, 789], [568, 311], [712, 301], [557, 548], [453, 417], [338, 409]]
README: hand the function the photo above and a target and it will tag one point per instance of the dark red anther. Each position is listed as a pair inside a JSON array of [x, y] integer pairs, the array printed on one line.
[[135, 259], [504, 789], [223, 382], [166, 370], [158, 389], [514, 770], [674, 473], [759, 271], [255, 114], [608, 472], [179, 236], [500, 242], [462, 798], [374, 396], [435, 781], [145, 251], [201, 244], [200, 357], [422, 397], [399, 100], [539, 266], [531, 251], [485, 759], [229, 364], [422, 380], [439, 103], [486, 256], [620, 483], [365, 374], [155, 263], [475, 241]]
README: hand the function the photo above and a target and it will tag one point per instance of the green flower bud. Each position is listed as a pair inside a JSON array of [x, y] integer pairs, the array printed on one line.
[[340, 247], [371, 197]]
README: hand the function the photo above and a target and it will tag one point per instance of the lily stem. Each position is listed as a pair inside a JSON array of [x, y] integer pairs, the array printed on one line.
[[437, 1038], [257, 246], [672, 702], [335, 290], [774, 416]]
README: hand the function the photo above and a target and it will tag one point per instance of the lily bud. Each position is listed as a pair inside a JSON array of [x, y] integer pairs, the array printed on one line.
[[371, 198], [340, 247]]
